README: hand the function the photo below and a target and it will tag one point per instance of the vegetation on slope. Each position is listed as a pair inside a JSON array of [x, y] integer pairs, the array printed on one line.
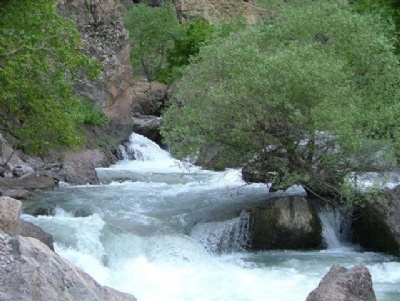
[[40, 57]]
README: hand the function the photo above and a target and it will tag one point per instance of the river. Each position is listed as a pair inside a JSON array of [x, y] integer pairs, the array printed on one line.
[[149, 235]]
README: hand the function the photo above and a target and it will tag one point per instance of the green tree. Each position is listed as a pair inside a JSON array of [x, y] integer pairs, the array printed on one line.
[[40, 56], [194, 35], [304, 95], [152, 31]]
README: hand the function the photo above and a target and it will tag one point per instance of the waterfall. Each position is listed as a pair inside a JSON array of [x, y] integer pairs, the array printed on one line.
[[226, 236], [336, 226]]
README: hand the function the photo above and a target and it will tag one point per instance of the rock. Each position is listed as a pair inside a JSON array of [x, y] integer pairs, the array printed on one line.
[[148, 126], [10, 222], [285, 223], [10, 211], [148, 98], [78, 168], [377, 225], [19, 194], [29, 181], [20, 170], [33, 272], [104, 37], [30, 230], [215, 11], [341, 284], [8, 155], [46, 211]]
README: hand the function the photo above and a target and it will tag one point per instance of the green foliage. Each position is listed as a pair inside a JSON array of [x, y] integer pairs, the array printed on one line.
[[40, 55], [195, 34], [305, 93], [93, 116], [152, 31]]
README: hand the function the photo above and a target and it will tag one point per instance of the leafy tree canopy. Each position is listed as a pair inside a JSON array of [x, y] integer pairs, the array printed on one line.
[[151, 31], [311, 95], [40, 56]]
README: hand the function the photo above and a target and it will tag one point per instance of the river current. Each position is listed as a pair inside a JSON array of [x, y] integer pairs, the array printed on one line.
[[146, 231]]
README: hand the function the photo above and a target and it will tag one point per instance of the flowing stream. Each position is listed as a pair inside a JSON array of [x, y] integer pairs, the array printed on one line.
[[154, 228]]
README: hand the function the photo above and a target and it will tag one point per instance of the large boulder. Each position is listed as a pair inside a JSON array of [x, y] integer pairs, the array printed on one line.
[[377, 225], [285, 223], [30, 271], [10, 222], [341, 284], [79, 168]]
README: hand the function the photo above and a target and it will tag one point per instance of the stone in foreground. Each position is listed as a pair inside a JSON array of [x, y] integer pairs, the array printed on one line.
[[32, 272], [341, 284]]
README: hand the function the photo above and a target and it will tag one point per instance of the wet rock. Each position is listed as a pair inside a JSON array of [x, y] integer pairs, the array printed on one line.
[[341, 284], [148, 126], [46, 211], [82, 212], [285, 223], [79, 168], [377, 225], [30, 230], [33, 272], [19, 194]]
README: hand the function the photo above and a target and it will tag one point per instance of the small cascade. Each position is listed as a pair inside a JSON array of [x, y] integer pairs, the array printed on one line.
[[226, 236], [336, 226], [142, 149]]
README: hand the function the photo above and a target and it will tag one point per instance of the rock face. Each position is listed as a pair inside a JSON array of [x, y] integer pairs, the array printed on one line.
[[218, 10], [30, 271], [10, 222], [342, 284], [78, 168], [377, 226], [103, 37], [285, 223]]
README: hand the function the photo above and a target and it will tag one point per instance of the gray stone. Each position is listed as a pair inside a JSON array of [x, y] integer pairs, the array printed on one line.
[[80, 167], [30, 230], [377, 225], [19, 194], [29, 181], [341, 284], [104, 38], [285, 223], [10, 211], [36, 273], [148, 126]]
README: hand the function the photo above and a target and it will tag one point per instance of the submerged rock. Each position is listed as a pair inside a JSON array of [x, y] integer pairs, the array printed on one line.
[[285, 223], [341, 284], [31, 271], [377, 226]]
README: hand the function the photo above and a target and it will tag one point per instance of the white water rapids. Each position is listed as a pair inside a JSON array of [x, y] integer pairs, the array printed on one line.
[[160, 236]]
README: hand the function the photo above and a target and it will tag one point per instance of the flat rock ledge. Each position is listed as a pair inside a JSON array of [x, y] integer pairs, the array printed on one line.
[[341, 284]]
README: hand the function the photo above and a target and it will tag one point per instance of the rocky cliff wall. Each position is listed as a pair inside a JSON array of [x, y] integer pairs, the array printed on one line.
[[103, 37]]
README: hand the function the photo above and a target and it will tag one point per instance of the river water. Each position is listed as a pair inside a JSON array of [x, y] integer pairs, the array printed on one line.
[[152, 235]]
